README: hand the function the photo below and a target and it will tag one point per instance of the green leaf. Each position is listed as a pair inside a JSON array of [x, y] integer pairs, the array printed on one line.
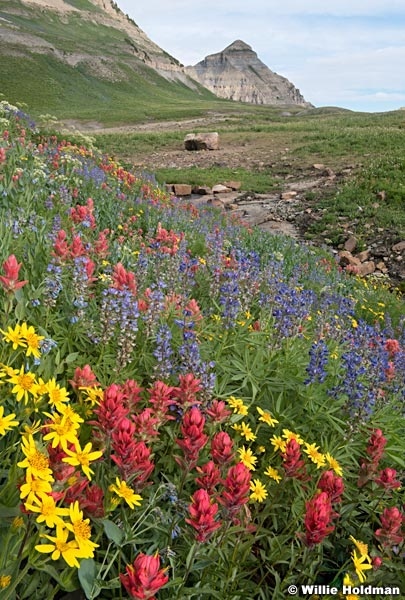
[[9, 511], [113, 532], [87, 578]]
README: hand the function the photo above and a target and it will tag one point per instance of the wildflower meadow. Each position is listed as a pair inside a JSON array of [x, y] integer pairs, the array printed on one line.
[[189, 408]]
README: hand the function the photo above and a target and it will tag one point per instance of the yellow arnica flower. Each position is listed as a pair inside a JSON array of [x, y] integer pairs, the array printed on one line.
[[6, 423], [361, 546], [14, 336], [92, 395], [32, 340], [278, 443], [238, 406], [333, 464], [81, 457], [33, 487], [266, 417], [273, 474], [290, 435], [259, 492], [81, 530], [5, 581], [60, 547], [246, 432], [313, 452], [49, 513], [57, 395], [24, 384], [63, 431], [247, 458], [123, 491], [361, 563], [36, 462]]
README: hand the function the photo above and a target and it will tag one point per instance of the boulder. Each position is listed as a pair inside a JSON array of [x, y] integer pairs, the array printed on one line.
[[182, 189], [350, 244], [201, 190], [220, 189], [234, 185], [399, 247], [201, 141]]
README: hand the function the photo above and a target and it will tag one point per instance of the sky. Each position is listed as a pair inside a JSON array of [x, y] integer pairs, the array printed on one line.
[[347, 53]]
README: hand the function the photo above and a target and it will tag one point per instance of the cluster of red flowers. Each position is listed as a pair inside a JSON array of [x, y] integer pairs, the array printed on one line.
[[84, 214], [385, 478], [392, 531], [144, 577], [9, 279], [319, 510], [292, 463]]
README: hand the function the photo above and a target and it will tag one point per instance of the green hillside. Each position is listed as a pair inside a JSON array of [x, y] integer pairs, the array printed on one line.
[[41, 66]]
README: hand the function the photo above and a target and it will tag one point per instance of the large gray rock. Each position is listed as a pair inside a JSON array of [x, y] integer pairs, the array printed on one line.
[[201, 141]]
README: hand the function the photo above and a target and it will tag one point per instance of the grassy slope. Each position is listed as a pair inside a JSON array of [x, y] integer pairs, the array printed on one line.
[[47, 85]]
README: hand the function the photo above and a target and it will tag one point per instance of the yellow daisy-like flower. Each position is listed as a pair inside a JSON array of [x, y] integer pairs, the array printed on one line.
[[333, 464], [24, 384], [361, 546], [36, 462], [60, 547], [31, 429], [32, 339], [124, 491], [6, 423], [57, 395], [238, 406], [246, 432], [63, 431], [81, 530], [34, 487], [92, 395], [273, 474], [14, 336], [290, 435], [5, 581], [49, 513], [266, 417], [259, 492], [278, 443], [361, 563], [313, 452], [82, 457], [247, 458]]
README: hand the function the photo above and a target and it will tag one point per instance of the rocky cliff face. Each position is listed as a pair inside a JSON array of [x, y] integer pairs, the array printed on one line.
[[236, 73]]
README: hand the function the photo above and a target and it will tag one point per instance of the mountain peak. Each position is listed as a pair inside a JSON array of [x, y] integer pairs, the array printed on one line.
[[236, 73], [238, 45]]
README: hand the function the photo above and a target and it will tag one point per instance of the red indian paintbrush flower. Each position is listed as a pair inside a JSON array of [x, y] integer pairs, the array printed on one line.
[[375, 450], [317, 519], [292, 463], [222, 448], [218, 411], [194, 439], [83, 377], [186, 393], [210, 476], [9, 280], [387, 479], [333, 485], [391, 533], [202, 512], [144, 577], [236, 489]]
